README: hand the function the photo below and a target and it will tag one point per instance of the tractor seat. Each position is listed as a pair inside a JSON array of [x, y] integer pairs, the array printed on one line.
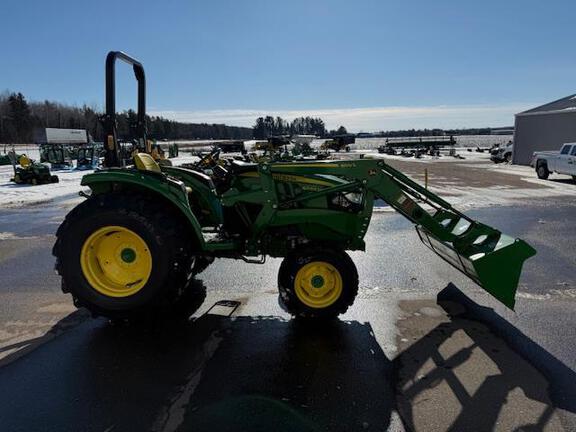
[[24, 161], [239, 167], [145, 162]]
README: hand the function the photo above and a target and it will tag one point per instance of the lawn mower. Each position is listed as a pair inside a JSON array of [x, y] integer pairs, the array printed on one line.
[[131, 248], [31, 172]]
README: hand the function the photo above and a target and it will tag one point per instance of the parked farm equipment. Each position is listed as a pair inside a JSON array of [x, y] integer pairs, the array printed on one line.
[[57, 155], [87, 157], [7, 156], [339, 142], [132, 246], [412, 146], [28, 171]]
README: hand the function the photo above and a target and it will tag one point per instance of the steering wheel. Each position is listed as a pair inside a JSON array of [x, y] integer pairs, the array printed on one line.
[[209, 160]]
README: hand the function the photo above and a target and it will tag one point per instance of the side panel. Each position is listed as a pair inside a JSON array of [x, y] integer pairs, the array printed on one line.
[[552, 163], [203, 192], [170, 190]]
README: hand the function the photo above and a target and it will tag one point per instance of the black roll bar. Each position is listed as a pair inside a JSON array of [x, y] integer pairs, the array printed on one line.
[[112, 150]]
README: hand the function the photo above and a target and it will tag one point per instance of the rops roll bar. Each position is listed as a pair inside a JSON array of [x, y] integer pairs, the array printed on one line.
[[112, 150]]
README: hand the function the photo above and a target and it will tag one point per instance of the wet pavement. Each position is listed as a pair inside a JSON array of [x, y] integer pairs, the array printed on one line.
[[255, 369], [214, 373]]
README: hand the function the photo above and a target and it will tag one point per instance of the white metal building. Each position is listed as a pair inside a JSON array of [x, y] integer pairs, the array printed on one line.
[[546, 127]]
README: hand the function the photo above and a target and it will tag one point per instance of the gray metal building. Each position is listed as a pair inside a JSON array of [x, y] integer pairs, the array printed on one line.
[[546, 127]]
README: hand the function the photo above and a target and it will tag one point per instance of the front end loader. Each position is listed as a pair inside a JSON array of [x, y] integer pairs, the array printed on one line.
[[131, 248]]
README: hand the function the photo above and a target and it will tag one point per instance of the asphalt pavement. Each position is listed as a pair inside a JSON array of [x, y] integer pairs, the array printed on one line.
[[231, 359]]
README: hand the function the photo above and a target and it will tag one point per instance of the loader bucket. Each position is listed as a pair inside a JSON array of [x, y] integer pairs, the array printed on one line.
[[488, 257]]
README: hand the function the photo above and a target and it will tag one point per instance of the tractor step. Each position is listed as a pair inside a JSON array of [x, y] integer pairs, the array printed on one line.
[[214, 241]]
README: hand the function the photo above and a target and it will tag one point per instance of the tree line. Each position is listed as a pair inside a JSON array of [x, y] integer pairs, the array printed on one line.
[[268, 126], [20, 118]]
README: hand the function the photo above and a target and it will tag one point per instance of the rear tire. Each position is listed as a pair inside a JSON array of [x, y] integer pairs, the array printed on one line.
[[161, 267], [317, 283], [542, 171]]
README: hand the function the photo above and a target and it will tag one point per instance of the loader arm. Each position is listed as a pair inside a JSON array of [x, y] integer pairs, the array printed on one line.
[[484, 254], [487, 256]]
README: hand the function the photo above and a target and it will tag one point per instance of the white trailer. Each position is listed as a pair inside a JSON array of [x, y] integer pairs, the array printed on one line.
[[61, 136]]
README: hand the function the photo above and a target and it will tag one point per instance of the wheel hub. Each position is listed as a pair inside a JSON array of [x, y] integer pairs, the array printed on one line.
[[128, 255], [116, 261], [318, 284], [317, 281]]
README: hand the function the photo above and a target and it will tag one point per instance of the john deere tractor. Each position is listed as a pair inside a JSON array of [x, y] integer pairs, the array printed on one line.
[[28, 171], [131, 248]]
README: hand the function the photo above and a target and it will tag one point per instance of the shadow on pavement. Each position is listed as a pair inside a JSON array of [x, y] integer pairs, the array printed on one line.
[[26, 346], [455, 373], [213, 373], [563, 181]]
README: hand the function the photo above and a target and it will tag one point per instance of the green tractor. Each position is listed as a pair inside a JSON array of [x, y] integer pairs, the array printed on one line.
[[31, 172], [131, 248], [57, 155]]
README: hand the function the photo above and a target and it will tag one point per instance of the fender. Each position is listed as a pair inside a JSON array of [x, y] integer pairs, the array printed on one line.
[[169, 189]]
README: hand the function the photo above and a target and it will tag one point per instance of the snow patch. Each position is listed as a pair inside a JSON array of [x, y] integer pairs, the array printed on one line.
[[12, 236]]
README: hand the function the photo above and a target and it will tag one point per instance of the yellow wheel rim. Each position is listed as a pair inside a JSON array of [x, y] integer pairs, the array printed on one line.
[[318, 284], [116, 261]]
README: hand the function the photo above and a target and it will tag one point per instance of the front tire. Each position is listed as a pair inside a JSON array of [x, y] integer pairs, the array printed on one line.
[[123, 256], [317, 283]]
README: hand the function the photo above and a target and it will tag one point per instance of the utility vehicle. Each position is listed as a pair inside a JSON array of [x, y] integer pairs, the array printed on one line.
[[132, 246]]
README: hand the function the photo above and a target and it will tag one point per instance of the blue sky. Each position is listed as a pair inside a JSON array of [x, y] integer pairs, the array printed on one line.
[[369, 64]]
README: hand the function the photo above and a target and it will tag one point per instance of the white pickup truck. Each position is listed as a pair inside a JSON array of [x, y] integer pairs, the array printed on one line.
[[562, 162]]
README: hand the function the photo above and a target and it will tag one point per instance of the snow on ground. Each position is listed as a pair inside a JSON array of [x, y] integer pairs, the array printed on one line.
[[457, 192], [468, 156], [13, 195], [524, 187], [463, 196], [466, 197]]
